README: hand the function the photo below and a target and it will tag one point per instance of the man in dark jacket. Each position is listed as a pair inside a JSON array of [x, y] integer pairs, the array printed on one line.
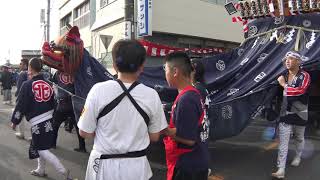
[[7, 82], [64, 109], [36, 102], [23, 76], [294, 110]]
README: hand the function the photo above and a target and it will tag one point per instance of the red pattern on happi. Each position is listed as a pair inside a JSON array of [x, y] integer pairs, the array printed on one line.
[[42, 91], [65, 78]]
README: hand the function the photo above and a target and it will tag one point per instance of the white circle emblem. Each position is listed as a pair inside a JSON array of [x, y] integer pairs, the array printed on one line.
[[220, 65], [226, 112], [306, 23], [240, 52], [278, 20], [252, 31]]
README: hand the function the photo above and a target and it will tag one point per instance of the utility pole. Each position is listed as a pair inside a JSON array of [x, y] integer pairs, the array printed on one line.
[[129, 19], [48, 22]]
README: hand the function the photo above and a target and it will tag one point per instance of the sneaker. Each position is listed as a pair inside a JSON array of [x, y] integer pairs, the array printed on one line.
[[19, 135], [296, 161], [68, 176], [279, 174], [209, 172], [38, 174]]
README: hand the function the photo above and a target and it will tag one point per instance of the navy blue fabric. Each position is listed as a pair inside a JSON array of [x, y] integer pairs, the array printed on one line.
[[26, 103], [242, 82], [187, 114], [61, 94], [202, 89], [89, 73], [23, 76], [63, 98], [154, 77], [6, 80]]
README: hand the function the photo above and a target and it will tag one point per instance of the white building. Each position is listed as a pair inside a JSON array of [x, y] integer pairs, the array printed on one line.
[[76, 13], [175, 23]]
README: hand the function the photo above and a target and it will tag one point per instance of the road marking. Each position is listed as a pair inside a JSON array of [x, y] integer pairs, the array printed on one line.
[[6, 110]]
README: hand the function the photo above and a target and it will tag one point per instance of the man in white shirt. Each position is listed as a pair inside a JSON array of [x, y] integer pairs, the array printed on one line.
[[123, 132]]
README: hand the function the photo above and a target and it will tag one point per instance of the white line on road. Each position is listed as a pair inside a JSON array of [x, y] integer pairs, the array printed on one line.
[[6, 110]]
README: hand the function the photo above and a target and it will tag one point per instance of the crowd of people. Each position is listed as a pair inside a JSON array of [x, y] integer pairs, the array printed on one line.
[[124, 116]]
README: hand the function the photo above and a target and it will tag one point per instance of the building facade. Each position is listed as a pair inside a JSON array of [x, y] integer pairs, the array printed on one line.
[[76, 13], [175, 23]]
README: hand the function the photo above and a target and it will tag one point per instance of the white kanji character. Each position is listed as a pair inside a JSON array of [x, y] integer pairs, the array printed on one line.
[[48, 126], [35, 129], [17, 115]]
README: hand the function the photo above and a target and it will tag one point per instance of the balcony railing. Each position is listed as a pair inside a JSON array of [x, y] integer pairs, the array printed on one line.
[[82, 21]]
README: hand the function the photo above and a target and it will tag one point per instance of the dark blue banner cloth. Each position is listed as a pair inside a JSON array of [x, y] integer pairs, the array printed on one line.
[[242, 82]]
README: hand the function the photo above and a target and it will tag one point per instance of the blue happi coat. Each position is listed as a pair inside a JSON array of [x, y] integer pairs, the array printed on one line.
[[36, 102], [35, 98]]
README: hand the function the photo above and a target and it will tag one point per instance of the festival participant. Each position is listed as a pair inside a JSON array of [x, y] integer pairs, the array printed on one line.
[[7, 83], [23, 76], [123, 116], [35, 102], [197, 78], [294, 110], [187, 152], [64, 110]]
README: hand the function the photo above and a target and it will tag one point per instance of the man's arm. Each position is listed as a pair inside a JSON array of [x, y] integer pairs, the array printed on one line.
[[184, 141], [301, 89], [20, 109], [86, 135], [88, 119], [187, 114], [154, 137], [282, 81]]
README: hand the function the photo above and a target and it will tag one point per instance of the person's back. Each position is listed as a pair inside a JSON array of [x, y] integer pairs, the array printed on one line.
[[123, 116], [64, 109], [35, 101], [124, 126], [7, 83], [63, 98], [6, 80]]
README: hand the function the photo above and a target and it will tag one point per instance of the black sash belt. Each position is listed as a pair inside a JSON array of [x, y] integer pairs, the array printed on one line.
[[133, 154]]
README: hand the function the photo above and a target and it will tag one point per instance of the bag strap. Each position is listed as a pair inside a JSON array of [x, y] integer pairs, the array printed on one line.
[[136, 105], [109, 107]]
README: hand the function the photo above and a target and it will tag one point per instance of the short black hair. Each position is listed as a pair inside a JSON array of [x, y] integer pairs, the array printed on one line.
[[35, 64], [198, 70], [24, 62], [180, 60], [128, 55]]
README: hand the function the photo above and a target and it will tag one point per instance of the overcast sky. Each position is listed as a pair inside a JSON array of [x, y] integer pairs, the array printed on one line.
[[21, 27]]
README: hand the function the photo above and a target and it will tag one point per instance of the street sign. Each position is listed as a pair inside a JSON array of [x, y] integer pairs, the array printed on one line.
[[144, 17]]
